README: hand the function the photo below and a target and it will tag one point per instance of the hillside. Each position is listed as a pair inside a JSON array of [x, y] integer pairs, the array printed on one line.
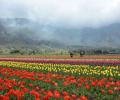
[[28, 32]]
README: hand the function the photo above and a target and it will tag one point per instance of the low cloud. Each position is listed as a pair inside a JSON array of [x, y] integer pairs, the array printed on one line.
[[64, 13]]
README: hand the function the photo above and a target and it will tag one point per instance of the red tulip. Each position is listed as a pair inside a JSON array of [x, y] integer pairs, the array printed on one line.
[[103, 91], [65, 83], [107, 85], [41, 78], [57, 94], [25, 90], [46, 98], [65, 93], [31, 85], [1, 88], [49, 93], [111, 79], [87, 87], [116, 88], [1, 97], [110, 91], [67, 97], [36, 94], [80, 84], [74, 96], [84, 98], [93, 83], [37, 88], [22, 86], [6, 97], [43, 91], [9, 86], [55, 83], [78, 99]]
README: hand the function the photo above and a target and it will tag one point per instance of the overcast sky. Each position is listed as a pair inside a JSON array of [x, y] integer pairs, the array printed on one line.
[[64, 13]]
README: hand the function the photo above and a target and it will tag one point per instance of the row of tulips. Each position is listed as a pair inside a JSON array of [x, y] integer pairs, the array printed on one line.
[[32, 81], [86, 70], [112, 62]]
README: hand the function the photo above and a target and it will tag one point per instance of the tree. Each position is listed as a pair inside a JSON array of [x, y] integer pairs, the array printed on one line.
[[82, 52], [15, 51], [71, 54]]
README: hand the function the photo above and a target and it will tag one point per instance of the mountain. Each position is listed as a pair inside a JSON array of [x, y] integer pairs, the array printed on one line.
[[29, 32], [106, 36]]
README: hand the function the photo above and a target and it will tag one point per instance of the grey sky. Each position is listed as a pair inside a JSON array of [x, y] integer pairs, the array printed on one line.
[[64, 13]]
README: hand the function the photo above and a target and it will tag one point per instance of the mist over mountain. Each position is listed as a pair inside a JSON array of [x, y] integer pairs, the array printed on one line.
[[26, 31], [57, 23]]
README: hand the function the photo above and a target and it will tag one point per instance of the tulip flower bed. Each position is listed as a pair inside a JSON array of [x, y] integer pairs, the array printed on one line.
[[100, 62], [40, 81], [112, 56]]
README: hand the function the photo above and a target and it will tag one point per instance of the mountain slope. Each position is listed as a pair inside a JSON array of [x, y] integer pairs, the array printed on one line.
[[29, 32]]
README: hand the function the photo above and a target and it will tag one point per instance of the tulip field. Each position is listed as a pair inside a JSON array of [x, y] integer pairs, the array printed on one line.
[[27, 79]]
